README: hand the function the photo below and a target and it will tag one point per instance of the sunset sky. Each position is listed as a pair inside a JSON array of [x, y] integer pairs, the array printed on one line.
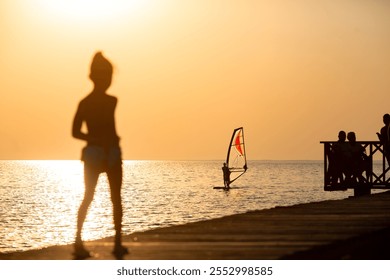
[[292, 73]]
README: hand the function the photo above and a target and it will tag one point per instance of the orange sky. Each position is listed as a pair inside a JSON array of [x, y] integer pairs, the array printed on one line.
[[187, 73]]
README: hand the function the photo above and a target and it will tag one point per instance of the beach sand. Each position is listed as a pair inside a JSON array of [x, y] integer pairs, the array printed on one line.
[[352, 228]]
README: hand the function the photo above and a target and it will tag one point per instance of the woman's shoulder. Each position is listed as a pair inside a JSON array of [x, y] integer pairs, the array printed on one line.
[[103, 97], [111, 100]]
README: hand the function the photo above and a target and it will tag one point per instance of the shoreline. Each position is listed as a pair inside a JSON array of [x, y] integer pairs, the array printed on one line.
[[351, 228]]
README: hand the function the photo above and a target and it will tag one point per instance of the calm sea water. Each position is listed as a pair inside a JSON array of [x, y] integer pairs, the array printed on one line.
[[39, 199]]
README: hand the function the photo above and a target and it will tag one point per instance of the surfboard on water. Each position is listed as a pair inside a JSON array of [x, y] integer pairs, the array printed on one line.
[[226, 189], [236, 156]]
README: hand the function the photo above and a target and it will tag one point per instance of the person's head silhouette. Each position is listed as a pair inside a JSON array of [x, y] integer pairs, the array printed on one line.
[[386, 119], [342, 136], [101, 72], [351, 137]]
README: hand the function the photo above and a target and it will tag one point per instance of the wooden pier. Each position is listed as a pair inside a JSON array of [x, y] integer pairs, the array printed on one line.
[[352, 228]]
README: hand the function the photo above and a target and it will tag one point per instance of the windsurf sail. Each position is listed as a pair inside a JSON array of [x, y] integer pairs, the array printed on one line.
[[236, 155]]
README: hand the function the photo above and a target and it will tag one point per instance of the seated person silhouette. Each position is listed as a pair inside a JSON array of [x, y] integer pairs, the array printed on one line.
[[337, 160], [356, 156], [102, 153]]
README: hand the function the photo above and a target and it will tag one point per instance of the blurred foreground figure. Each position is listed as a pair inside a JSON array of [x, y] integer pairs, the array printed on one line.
[[102, 152]]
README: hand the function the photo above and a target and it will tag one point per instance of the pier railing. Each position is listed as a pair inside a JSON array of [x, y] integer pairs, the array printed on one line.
[[376, 174]]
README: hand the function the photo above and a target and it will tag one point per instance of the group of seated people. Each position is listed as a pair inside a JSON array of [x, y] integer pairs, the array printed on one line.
[[347, 160]]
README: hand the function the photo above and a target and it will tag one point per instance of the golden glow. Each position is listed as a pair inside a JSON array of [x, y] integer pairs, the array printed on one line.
[[189, 71], [92, 11], [64, 172]]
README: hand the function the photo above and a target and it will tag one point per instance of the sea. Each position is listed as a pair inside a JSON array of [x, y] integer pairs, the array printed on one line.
[[40, 198]]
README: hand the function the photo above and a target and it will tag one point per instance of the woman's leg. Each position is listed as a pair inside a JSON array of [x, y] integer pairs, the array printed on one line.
[[114, 175], [91, 176]]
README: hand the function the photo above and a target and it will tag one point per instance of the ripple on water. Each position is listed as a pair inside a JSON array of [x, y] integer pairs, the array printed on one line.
[[40, 199]]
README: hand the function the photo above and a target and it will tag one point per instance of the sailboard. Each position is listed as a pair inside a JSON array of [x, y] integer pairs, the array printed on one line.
[[236, 156]]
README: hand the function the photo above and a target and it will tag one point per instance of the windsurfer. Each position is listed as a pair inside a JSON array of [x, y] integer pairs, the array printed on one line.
[[226, 175]]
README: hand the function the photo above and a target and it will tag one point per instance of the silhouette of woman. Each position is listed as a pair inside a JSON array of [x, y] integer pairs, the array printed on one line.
[[102, 153]]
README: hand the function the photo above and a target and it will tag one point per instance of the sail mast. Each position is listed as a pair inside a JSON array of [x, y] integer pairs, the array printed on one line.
[[236, 158], [243, 146]]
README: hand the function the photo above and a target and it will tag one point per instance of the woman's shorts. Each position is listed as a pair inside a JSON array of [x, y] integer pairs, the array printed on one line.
[[100, 157]]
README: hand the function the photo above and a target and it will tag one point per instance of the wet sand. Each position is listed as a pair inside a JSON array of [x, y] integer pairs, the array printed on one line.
[[352, 228]]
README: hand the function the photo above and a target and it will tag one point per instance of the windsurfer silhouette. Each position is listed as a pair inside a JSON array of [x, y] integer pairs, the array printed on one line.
[[226, 176]]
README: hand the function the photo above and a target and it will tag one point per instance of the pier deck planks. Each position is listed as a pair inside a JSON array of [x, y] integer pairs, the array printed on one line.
[[353, 228]]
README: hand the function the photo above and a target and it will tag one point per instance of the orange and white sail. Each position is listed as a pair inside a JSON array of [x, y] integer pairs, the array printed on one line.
[[236, 155]]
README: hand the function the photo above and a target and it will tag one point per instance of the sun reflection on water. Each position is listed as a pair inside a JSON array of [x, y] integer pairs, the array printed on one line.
[[40, 199]]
